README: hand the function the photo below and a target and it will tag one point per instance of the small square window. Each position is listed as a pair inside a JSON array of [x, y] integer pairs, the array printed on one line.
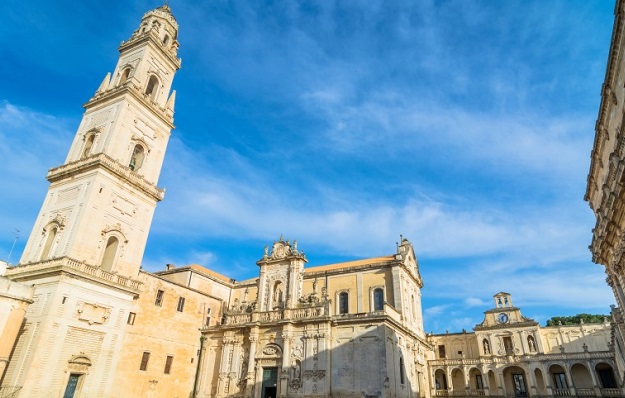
[[180, 304], [159, 298], [131, 318]]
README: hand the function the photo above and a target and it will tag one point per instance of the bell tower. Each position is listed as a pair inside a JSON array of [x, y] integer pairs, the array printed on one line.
[[101, 201]]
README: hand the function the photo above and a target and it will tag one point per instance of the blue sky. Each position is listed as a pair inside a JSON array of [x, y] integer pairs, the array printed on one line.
[[465, 126]]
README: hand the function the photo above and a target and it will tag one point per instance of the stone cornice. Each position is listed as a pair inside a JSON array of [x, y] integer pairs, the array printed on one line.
[[103, 161], [151, 38], [525, 323], [616, 47], [24, 272], [101, 98]]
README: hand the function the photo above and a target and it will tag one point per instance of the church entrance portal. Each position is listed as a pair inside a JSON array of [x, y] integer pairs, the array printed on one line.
[[270, 382]]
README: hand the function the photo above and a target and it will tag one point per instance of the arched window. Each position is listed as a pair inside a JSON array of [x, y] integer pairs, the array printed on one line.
[[136, 160], [378, 299], [151, 88], [47, 247], [124, 77], [166, 40], [109, 253], [402, 374], [88, 145], [343, 303]]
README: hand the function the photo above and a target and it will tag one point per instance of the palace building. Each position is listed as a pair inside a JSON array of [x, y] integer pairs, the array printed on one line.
[[79, 317], [605, 191]]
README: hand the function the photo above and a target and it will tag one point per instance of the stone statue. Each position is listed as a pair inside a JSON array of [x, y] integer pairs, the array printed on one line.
[[486, 347], [277, 297]]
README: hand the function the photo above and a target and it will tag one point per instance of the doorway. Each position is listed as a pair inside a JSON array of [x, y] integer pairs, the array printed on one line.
[[270, 383], [72, 385]]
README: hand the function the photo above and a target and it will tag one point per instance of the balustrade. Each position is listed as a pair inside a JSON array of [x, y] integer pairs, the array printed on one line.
[[81, 268]]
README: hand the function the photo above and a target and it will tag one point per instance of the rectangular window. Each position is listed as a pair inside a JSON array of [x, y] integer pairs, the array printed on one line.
[[144, 361], [343, 303], [168, 363], [507, 342], [441, 351], [131, 318], [208, 318], [180, 304], [479, 384], [559, 380], [519, 385], [159, 298]]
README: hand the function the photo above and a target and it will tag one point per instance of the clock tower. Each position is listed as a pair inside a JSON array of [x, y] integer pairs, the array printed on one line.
[[505, 332]]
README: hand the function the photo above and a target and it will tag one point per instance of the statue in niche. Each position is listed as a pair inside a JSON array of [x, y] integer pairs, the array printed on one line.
[[486, 347], [277, 295], [530, 341], [296, 370]]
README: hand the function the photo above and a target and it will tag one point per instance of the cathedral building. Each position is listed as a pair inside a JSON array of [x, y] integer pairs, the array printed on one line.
[[79, 317]]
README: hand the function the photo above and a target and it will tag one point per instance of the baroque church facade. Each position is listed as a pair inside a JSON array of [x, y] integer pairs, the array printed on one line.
[[80, 318]]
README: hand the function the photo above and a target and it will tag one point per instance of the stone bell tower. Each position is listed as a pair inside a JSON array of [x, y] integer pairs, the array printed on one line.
[[84, 253], [100, 203]]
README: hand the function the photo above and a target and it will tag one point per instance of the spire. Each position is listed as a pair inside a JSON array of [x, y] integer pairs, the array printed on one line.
[[171, 102], [105, 84]]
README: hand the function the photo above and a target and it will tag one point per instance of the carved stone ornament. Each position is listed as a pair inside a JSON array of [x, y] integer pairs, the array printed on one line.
[[92, 313], [271, 350], [280, 250], [79, 363]]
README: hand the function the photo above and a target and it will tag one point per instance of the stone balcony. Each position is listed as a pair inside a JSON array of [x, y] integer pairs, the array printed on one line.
[[65, 264], [508, 359], [555, 392], [302, 313]]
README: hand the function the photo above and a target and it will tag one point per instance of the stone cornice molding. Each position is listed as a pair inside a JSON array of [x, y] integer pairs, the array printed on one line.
[[103, 161], [616, 48], [100, 98], [152, 39]]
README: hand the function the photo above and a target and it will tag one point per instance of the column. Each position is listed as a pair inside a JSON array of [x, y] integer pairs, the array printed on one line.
[[283, 381], [10, 332], [251, 363]]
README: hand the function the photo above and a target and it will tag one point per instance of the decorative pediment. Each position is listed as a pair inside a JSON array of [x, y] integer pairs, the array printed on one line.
[[282, 249]]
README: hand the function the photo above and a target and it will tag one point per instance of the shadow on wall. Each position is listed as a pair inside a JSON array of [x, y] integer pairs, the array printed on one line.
[[370, 360]]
